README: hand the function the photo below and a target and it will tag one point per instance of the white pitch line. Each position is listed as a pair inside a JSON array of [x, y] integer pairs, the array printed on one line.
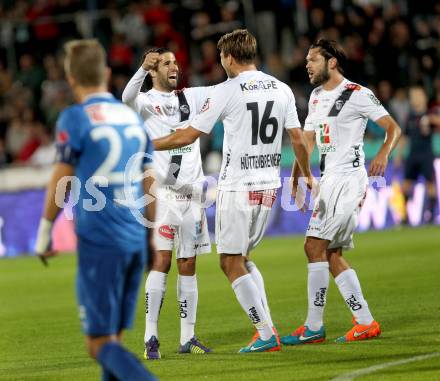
[[362, 372]]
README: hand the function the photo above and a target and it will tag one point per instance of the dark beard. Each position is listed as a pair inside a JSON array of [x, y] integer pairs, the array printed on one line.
[[168, 86], [323, 77]]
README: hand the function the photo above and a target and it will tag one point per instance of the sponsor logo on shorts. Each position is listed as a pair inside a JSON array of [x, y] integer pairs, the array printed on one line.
[[167, 231], [199, 227], [201, 245], [353, 303]]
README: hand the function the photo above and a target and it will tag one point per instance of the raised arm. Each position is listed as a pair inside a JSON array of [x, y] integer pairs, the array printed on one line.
[[133, 87]]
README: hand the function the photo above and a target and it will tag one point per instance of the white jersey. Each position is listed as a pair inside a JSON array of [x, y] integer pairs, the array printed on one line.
[[162, 113], [254, 108], [339, 117]]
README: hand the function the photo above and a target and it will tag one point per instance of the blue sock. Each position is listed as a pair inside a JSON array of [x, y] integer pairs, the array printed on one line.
[[107, 376], [122, 364]]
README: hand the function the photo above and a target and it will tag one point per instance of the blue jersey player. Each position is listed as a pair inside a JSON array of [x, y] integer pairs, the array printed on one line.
[[103, 150]]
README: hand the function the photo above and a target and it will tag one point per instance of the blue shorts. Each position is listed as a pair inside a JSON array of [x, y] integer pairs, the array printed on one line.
[[107, 287]]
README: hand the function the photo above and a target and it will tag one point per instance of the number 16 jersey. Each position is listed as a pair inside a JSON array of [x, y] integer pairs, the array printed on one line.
[[254, 108]]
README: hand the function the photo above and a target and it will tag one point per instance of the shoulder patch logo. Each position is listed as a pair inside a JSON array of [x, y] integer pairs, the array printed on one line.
[[374, 99], [205, 106], [353, 86], [62, 137]]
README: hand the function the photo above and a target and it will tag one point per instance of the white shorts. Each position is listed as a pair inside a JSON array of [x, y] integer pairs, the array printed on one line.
[[181, 224], [241, 219], [337, 207]]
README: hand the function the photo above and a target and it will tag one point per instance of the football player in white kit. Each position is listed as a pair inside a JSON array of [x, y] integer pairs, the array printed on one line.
[[338, 114], [180, 217], [255, 108]]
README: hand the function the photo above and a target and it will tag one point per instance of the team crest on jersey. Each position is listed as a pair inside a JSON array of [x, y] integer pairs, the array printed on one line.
[[353, 86], [157, 109], [339, 104], [206, 105], [324, 130], [184, 109]]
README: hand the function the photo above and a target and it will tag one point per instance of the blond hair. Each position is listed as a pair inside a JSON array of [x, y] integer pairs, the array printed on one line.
[[85, 62], [240, 44]]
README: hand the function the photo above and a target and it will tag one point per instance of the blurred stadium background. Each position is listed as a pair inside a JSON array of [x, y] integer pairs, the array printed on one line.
[[390, 45]]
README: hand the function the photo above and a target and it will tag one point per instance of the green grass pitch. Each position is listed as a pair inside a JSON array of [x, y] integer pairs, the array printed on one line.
[[399, 270]]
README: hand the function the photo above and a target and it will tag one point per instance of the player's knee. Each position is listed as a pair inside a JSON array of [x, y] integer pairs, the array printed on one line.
[[93, 348], [187, 266], [308, 248], [224, 265], [313, 251], [95, 344], [162, 262]]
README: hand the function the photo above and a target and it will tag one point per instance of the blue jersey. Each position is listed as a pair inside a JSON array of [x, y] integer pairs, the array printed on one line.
[[100, 138]]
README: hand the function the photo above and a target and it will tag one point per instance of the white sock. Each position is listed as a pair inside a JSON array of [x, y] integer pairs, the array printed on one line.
[[249, 298], [350, 289], [259, 282], [155, 287], [187, 296], [317, 287]]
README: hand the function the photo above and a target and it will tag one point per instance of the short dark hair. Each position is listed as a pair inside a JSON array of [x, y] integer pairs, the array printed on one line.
[[85, 61], [240, 44], [148, 81], [331, 49]]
